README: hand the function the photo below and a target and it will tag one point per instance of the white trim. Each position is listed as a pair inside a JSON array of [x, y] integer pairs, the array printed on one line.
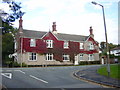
[[81, 56], [49, 55], [66, 55], [91, 46], [49, 43], [29, 56], [44, 35], [91, 58], [47, 33], [66, 45], [32, 42], [81, 45]]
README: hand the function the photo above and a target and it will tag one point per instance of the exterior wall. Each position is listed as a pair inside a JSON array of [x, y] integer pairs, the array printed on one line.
[[42, 61], [86, 57], [58, 50]]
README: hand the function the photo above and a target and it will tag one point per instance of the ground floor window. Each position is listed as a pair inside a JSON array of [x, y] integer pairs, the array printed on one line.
[[81, 56], [66, 57], [49, 57], [32, 56], [91, 57]]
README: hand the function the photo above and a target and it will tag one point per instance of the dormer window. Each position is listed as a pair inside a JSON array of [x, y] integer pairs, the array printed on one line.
[[66, 44], [32, 43], [49, 43], [81, 45]]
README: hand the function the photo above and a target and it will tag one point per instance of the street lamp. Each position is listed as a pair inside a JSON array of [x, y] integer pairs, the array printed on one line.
[[108, 61]]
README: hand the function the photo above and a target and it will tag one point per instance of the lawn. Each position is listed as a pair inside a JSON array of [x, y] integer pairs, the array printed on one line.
[[115, 71]]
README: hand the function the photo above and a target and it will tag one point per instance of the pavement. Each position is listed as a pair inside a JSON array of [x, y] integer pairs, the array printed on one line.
[[90, 74]]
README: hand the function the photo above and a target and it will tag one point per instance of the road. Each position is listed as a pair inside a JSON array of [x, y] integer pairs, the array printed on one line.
[[47, 77]]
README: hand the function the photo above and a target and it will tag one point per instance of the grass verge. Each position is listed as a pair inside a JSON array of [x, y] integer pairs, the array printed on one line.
[[114, 71]]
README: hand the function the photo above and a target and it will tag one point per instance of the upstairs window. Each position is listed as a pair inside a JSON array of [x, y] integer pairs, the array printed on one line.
[[49, 43], [81, 45], [49, 57], [91, 46], [66, 57], [32, 56], [32, 43], [66, 45]]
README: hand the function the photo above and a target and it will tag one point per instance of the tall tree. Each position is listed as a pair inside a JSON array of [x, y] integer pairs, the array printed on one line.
[[8, 31]]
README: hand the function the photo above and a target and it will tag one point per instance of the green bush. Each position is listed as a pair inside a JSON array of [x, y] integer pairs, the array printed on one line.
[[24, 65], [83, 63], [16, 64], [88, 62]]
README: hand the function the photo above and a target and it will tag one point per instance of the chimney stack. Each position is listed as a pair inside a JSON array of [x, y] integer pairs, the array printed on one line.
[[91, 32], [20, 25], [54, 28]]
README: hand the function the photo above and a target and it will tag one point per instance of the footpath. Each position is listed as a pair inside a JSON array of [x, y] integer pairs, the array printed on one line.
[[90, 74]]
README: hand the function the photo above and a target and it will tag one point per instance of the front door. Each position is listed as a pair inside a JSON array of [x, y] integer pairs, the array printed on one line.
[[76, 60]]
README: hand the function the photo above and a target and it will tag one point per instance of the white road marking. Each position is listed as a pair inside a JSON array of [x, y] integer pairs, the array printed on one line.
[[20, 71], [38, 79], [8, 75]]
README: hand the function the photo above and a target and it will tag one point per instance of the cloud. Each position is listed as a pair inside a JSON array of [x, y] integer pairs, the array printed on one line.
[[71, 17]]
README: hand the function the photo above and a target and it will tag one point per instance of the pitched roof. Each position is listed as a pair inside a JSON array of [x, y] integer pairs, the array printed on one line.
[[33, 34], [116, 48], [70, 37], [60, 36]]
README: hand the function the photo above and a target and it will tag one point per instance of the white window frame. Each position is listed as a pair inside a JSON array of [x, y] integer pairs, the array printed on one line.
[[91, 57], [81, 46], [66, 56], [66, 44], [49, 57], [49, 43], [32, 56], [91, 46], [81, 56], [32, 43]]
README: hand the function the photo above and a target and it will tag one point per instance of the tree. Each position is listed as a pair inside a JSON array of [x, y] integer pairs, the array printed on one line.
[[103, 48], [8, 31], [14, 14]]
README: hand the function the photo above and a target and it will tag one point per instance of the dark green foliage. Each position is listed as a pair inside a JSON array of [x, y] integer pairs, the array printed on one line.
[[88, 62], [8, 32], [15, 64], [15, 12], [7, 47]]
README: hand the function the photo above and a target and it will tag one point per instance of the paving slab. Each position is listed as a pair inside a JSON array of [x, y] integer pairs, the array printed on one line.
[[90, 74]]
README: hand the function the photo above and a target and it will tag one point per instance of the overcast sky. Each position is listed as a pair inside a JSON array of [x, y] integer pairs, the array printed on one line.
[[72, 17]]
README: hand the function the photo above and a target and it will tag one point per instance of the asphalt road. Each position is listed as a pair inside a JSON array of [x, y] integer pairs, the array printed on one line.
[[48, 77]]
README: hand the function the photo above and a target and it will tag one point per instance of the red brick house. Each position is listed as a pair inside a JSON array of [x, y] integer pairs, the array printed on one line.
[[53, 48]]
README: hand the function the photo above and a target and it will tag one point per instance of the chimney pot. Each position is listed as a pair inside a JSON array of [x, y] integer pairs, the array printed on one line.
[[20, 25], [91, 31], [54, 26], [20, 22]]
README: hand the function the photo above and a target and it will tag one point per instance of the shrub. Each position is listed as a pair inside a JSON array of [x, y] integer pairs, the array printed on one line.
[[88, 62], [24, 65], [16, 64]]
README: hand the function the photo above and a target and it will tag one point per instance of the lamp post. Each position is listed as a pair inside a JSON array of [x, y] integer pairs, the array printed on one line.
[[108, 61]]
